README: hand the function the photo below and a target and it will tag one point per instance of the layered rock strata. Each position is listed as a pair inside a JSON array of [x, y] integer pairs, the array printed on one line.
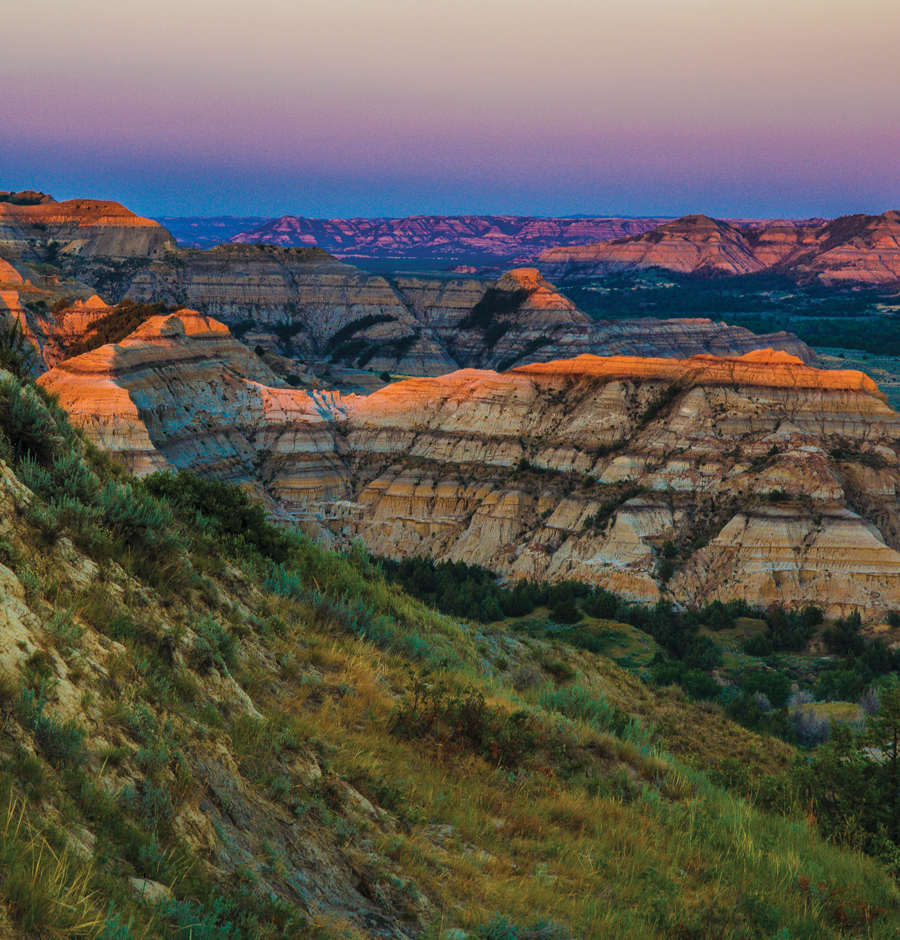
[[304, 305], [703, 478], [859, 249], [307, 305], [50, 231]]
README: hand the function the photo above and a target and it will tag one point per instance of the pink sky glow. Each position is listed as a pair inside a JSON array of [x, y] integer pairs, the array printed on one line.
[[394, 107]]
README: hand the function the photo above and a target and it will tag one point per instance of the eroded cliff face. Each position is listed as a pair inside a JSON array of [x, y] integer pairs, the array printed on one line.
[[86, 228], [304, 304], [300, 302], [863, 249], [504, 238], [703, 478]]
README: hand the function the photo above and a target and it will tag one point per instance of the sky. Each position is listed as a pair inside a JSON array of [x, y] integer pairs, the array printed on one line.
[[734, 108]]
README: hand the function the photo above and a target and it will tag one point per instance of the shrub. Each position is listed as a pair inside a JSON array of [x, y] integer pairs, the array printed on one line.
[[17, 355], [662, 401], [356, 326], [214, 648], [223, 511], [810, 727], [137, 518], [152, 803], [114, 326], [495, 303], [30, 428], [581, 704], [601, 604], [61, 742], [461, 718]]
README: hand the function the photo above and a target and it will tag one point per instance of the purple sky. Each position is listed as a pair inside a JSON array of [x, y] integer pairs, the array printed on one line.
[[396, 107]]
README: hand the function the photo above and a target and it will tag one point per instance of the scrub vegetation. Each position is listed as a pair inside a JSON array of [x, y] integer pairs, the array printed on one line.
[[217, 729]]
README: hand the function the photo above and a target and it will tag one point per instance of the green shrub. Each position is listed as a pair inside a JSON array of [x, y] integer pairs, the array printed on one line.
[[581, 704], [61, 742], [30, 428], [462, 719], [17, 352], [214, 648], [225, 512]]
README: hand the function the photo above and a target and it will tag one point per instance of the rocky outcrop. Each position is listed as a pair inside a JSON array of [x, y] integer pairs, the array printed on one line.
[[87, 228], [306, 305], [856, 249], [702, 478], [860, 249], [504, 238], [301, 302], [303, 305], [522, 318], [67, 326], [693, 245]]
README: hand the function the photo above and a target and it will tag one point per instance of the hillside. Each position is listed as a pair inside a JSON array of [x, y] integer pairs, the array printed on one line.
[[312, 313], [697, 479], [858, 249], [501, 238], [214, 729], [48, 231]]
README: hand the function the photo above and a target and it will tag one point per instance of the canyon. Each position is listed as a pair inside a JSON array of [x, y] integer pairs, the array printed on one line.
[[675, 458], [302, 305], [856, 249], [754, 476]]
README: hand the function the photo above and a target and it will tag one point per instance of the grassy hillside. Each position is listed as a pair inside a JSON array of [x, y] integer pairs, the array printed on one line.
[[214, 729]]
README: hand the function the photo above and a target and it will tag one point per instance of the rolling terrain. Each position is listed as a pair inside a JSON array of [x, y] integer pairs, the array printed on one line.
[[857, 249], [755, 476], [216, 729], [487, 239]]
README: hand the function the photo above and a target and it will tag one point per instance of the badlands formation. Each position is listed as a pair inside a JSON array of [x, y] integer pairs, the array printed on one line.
[[499, 237], [857, 249], [702, 478], [307, 305], [304, 305], [84, 228]]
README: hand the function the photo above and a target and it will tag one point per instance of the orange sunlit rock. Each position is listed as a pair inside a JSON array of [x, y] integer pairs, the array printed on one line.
[[759, 453]]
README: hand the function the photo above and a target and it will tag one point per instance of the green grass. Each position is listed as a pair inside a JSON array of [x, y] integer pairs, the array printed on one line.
[[246, 704]]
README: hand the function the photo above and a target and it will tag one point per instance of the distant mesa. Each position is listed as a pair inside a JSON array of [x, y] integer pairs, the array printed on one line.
[[42, 230], [27, 197], [502, 238], [859, 249]]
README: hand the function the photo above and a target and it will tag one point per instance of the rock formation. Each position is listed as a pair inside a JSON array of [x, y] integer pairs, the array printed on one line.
[[501, 238], [859, 249], [87, 228], [702, 478], [304, 305]]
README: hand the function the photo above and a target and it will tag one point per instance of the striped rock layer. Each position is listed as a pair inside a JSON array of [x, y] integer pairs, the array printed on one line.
[[755, 476]]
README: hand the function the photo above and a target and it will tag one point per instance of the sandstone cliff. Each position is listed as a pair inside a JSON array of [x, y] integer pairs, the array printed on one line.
[[305, 304], [755, 476], [53, 231], [853, 249]]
